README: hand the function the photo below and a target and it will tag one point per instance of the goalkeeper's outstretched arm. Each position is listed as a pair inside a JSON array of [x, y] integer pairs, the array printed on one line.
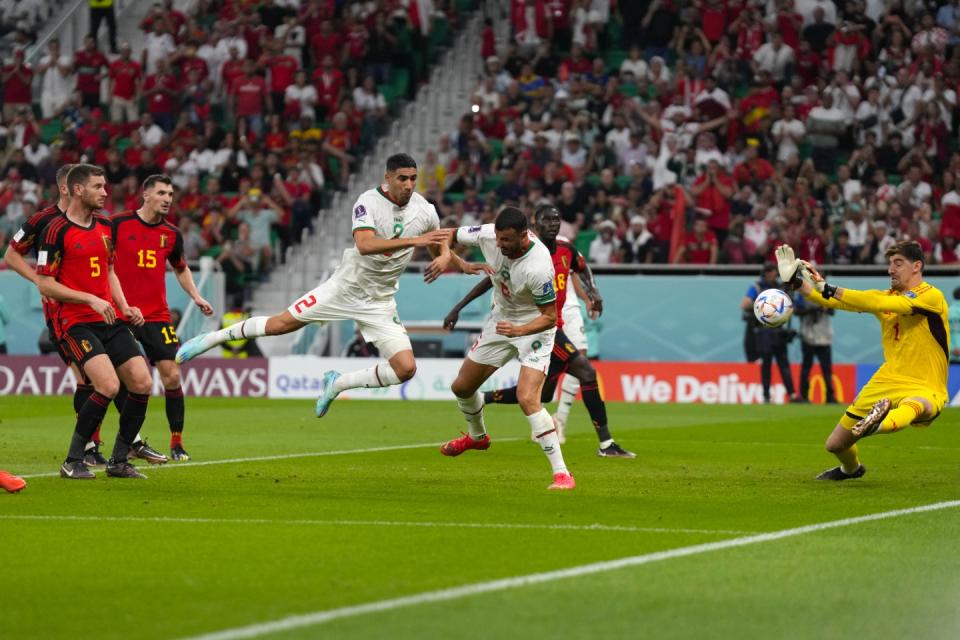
[[816, 289]]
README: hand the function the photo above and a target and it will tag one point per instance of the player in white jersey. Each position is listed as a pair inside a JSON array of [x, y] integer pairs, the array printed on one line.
[[522, 324], [388, 223]]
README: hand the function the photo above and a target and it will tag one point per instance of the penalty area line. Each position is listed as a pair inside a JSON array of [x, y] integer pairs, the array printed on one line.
[[464, 591]]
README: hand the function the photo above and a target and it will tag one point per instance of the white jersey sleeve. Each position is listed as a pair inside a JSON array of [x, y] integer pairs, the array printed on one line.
[[540, 283], [363, 215], [471, 236]]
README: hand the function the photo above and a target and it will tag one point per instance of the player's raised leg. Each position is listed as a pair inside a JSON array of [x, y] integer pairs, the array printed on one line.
[[466, 388], [254, 327], [399, 368], [884, 417]]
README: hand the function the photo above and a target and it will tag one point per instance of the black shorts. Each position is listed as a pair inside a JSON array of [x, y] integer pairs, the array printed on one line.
[[564, 352], [61, 347], [84, 341], [159, 340]]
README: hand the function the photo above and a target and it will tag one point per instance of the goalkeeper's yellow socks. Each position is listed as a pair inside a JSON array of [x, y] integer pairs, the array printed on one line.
[[849, 461], [902, 416]]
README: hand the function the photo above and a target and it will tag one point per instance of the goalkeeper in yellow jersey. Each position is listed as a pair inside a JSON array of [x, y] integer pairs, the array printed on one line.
[[910, 388]]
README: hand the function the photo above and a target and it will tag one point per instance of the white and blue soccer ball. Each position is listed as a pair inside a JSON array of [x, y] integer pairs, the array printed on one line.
[[773, 308]]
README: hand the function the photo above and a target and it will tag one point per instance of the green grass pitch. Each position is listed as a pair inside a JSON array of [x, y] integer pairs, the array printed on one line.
[[243, 535]]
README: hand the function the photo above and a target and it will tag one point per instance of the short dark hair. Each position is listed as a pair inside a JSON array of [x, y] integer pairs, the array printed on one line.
[[80, 174], [909, 249], [543, 210], [401, 161], [510, 218], [63, 172], [156, 178]]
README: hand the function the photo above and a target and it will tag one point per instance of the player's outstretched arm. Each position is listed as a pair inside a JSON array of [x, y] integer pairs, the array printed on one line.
[[17, 262], [50, 288], [834, 297], [450, 321], [369, 243], [185, 278], [546, 320]]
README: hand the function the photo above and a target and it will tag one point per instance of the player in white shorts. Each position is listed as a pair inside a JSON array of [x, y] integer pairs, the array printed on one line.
[[388, 223], [522, 324], [573, 327]]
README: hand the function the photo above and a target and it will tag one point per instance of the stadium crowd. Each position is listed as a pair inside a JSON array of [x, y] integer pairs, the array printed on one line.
[[709, 131], [256, 109], [700, 131]]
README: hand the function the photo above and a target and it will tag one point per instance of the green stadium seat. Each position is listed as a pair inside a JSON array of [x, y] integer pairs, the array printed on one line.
[[496, 147], [454, 196], [623, 181], [614, 33], [613, 59], [594, 179], [583, 240], [50, 130], [491, 182]]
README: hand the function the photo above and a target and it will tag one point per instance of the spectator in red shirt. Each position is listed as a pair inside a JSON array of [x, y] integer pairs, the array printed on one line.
[[338, 144], [232, 69], [161, 90], [699, 246], [329, 83], [282, 68], [712, 191], [16, 78], [248, 98], [126, 78], [754, 171], [326, 43], [90, 65]]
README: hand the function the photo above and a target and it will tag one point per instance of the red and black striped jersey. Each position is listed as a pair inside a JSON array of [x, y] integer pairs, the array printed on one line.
[[79, 258], [566, 258], [27, 236], [141, 253], [26, 239]]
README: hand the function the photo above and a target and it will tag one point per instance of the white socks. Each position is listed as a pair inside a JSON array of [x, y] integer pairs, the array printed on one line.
[[472, 409], [568, 391], [376, 376], [249, 328], [541, 424]]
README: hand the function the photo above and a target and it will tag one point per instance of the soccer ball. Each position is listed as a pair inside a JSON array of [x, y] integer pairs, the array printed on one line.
[[773, 308]]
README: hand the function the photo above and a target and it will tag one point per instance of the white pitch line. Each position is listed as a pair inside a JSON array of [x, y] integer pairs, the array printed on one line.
[[443, 595], [284, 456], [375, 523]]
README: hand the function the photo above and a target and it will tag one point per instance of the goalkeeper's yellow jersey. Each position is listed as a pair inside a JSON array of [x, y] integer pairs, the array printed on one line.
[[913, 329]]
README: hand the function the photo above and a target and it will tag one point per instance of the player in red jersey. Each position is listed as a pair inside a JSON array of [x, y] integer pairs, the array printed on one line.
[[143, 242], [75, 267], [565, 357], [24, 242]]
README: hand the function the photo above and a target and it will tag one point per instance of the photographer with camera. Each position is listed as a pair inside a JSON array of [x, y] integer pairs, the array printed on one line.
[[767, 343], [816, 338]]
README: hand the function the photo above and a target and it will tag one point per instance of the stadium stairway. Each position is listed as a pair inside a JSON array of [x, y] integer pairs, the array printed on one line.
[[437, 108]]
